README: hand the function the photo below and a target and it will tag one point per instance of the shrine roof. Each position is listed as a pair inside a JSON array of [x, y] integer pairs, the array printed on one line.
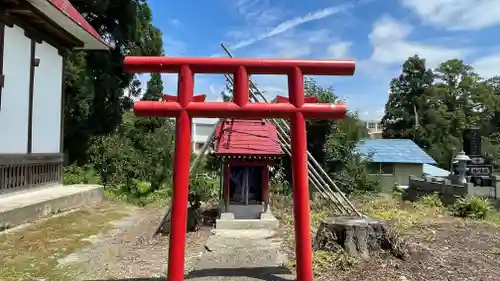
[[237, 137], [65, 15]]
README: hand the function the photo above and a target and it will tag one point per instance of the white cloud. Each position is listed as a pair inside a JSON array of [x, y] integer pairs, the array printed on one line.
[[339, 50], [488, 66], [290, 24], [389, 38], [259, 12], [175, 22], [456, 14]]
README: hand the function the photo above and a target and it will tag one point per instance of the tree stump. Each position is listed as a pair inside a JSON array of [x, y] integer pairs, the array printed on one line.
[[358, 237]]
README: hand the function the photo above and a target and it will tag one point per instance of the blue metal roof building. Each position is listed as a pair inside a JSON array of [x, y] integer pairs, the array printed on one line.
[[394, 151], [434, 171], [393, 161]]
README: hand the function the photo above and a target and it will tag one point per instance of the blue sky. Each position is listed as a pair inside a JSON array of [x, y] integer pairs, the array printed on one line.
[[378, 34]]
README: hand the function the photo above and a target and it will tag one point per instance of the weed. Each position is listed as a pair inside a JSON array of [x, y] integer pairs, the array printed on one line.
[[495, 251], [402, 215], [472, 207]]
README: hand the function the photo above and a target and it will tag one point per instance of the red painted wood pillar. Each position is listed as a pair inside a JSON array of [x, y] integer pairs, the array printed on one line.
[[182, 157], [300, 183], [227, 185], [265, 187]]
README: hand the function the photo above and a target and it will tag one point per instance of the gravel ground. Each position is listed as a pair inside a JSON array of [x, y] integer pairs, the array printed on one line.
[[129, 251], [242, 255]]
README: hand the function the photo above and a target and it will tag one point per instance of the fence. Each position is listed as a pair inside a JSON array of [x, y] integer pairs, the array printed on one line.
[[449, 192], [21, 171]]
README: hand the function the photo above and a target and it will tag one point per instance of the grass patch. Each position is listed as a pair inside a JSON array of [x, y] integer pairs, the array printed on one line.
[[324, 262], [403, 215], [32, 253]]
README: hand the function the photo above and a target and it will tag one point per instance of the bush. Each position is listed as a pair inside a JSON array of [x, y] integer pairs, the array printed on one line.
[[472, 207], [429, 201], [80, 175], [136, 159], [397, 191], [202, 187]]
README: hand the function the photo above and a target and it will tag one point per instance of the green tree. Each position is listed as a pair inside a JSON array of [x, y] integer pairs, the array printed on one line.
[[408, 105], [95, 96], [154, 91], [319, 130]]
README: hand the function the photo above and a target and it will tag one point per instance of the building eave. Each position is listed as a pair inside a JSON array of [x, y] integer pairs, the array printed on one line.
[[79, 29]]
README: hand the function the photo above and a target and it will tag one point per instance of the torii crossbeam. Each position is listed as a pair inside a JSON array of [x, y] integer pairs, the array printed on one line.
[[187, 106]]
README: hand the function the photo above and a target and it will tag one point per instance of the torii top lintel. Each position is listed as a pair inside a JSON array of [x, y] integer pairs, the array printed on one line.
[[241, 69]]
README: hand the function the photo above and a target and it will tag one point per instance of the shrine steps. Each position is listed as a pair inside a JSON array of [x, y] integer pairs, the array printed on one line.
[[266, 221], [25, 206]]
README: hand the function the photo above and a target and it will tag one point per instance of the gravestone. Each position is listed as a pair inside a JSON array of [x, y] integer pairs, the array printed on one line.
[[480, 170], [472, 142]]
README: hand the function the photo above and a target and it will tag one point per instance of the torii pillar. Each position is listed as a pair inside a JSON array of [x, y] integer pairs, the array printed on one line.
[[187, 107]]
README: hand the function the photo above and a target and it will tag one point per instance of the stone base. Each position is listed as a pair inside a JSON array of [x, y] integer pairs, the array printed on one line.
[[26, 206], [358, 236], [267, 216], [266, 221], [226, 216]]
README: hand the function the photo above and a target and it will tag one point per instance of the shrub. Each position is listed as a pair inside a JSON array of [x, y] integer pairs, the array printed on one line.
[[472, 207], [80, 175], [202, 187], [429, 201], [397, 191]]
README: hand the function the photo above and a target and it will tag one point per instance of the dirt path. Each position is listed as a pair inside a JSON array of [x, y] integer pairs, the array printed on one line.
[[108, 242], [129, 251]]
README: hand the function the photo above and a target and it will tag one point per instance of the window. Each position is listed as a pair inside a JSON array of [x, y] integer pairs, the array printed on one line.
[[387, 169], [381, 168], [371, 125]]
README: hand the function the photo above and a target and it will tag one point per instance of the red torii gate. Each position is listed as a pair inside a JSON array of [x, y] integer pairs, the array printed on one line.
[[189, 106]]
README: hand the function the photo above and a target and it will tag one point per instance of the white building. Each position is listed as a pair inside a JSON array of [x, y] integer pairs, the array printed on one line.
[[374, 129], [202, 129], [34, 37]]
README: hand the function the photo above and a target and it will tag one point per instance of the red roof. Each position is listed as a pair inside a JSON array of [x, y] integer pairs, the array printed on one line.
[[65, 7], [247, 138]]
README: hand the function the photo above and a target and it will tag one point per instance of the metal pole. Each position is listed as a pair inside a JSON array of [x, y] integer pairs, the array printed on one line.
[[283, 135], [309, 155]]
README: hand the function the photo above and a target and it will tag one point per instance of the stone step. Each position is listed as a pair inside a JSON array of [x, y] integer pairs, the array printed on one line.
[[246, 224], [25, 206]]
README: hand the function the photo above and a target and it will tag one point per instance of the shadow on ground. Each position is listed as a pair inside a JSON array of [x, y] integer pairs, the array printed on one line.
[[132, 279], [259, 273]]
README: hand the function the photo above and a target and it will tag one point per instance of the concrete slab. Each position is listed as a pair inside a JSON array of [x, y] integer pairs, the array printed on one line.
[[24, 206], [247, 224]]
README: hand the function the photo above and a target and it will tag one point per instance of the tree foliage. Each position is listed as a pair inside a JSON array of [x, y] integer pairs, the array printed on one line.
[[97, 93], [433, 107]]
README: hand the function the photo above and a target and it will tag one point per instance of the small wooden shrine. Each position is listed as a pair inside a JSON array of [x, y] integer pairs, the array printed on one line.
[[247, 148]]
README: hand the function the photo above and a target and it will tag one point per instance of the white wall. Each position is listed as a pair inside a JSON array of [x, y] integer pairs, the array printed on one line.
[[46, 132], [202, 128], [15, 94]]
